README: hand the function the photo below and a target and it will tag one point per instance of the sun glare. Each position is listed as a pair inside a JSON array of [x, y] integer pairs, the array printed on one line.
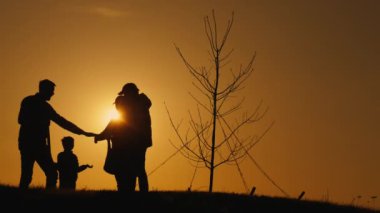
[[113, 114]]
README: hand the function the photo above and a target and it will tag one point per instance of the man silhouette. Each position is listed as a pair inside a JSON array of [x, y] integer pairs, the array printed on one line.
[[130, 136], [34, 137], [141, 123]]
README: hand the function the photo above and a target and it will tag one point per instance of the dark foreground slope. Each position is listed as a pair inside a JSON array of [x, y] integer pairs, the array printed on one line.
[[39, 200]]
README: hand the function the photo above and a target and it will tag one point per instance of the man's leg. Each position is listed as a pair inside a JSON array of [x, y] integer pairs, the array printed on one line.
[[143, 182], [45, 161], [143, 178], [126, 182], [27, 163]]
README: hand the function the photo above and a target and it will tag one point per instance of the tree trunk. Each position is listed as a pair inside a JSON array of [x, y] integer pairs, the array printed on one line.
[[214, 115]]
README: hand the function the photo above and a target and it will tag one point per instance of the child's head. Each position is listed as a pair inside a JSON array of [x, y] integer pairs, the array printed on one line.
[[68, 143]]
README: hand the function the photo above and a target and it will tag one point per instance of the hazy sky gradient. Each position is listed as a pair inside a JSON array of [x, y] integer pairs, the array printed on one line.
[[317, 68]]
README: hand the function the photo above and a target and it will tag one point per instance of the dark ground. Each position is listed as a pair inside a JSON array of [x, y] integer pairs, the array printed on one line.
[[40, 200]]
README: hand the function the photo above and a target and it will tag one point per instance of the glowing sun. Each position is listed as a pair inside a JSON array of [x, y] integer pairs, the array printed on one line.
[[113, 114]]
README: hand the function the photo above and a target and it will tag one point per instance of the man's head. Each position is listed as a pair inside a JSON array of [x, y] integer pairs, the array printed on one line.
[[46, 89], [68, 143], [129, 88]]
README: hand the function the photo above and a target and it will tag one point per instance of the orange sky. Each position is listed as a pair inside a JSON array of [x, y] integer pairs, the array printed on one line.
[[317, 68]]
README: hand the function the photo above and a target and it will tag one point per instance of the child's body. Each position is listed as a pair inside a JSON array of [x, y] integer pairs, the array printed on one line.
[[68, 166]]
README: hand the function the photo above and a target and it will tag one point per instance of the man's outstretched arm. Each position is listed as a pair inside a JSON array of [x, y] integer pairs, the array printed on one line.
[[68, 125]]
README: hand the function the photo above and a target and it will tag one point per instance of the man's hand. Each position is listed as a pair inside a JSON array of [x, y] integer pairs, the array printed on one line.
[[97, 139], [89, 134]]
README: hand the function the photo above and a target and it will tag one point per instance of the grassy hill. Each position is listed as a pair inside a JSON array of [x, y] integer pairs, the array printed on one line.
[[158, 201]]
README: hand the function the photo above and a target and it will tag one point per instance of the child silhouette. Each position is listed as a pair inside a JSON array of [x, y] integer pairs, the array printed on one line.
[[68, 166]]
